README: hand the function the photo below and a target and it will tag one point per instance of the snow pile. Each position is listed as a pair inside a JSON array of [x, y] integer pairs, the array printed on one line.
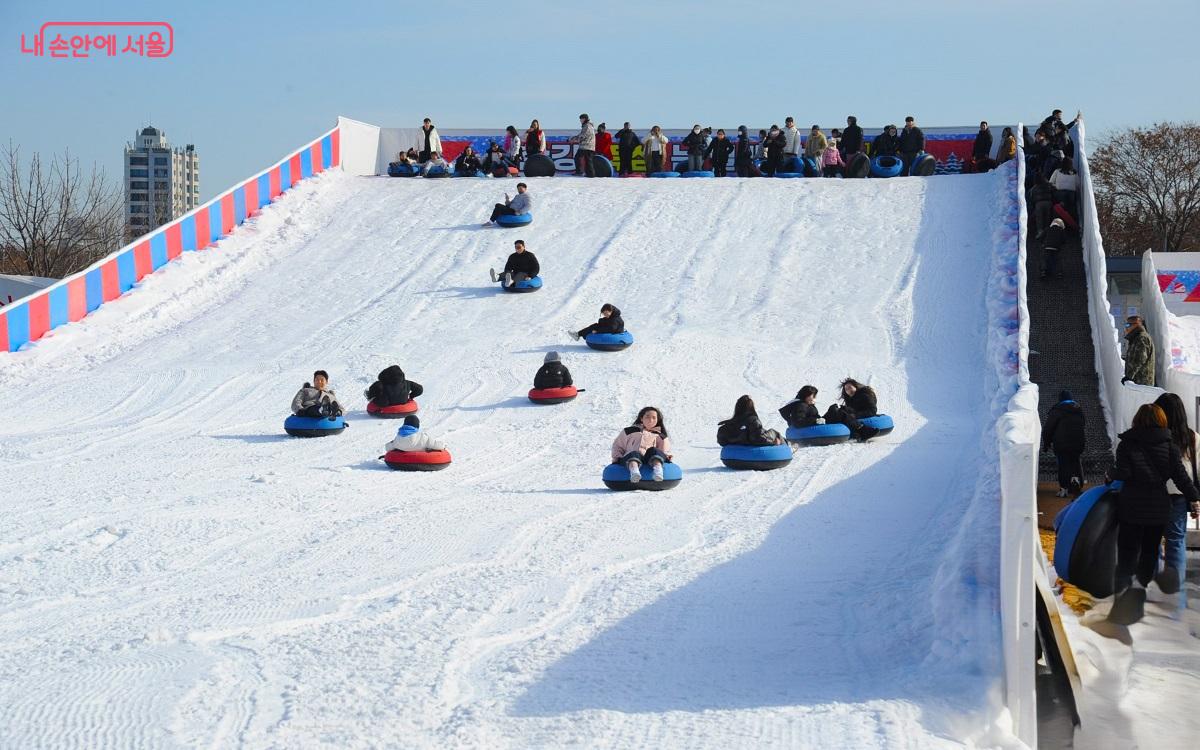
[[175, 571]]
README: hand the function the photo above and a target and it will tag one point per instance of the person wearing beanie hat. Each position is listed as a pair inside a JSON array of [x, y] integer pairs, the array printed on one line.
[[552, 374], [610, 322], [1052, 242], [1063, 432], [410, 438]]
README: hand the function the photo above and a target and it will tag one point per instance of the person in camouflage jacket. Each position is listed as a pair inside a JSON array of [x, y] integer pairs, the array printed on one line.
[[1139, 353]]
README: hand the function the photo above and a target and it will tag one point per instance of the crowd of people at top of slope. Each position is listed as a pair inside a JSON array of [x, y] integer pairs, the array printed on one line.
[[752, 158], [1052, 187]]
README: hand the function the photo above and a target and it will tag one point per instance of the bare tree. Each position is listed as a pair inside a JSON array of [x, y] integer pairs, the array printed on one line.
[[1148, 187], [55, 219]]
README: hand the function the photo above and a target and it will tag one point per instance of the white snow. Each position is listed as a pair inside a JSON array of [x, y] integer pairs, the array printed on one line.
[[174, 571]]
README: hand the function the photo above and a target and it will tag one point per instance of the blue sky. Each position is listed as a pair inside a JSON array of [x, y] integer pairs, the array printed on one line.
[[249, 81]]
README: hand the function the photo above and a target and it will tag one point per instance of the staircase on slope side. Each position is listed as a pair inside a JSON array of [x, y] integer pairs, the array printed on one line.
[[1062, 354]]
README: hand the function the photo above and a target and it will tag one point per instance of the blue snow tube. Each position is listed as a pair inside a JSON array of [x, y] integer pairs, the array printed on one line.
[[438, 171], [396, 169], [886, 166], [664, 174], [924, 165], [789, 174], [756, 457], [811, 168], [616, 477], [699, 173], [881, 422], [792, 165], [1085, 545], [476, 173], [818, 434], [313, 427], [602, 167], [525, 286], [514, 220], [609, 342]]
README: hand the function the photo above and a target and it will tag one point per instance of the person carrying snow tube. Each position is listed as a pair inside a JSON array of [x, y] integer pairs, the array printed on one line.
[[607, 334], [1146, 458], [522, 268], [315, 410], [513, 212], [642, 451], [413, 450], [746, 445], [552, 383], [858, 404], [806, 426], [392, 395]]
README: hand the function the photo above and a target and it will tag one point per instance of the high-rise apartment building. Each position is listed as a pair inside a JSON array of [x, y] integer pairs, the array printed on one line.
[[161, 183]]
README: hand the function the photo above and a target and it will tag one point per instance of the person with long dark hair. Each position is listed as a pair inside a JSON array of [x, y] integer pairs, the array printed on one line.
[[535, 139], [645, 441], [1170, 578], [1147, 458], [744, 427], [858, 402], [802, 410]]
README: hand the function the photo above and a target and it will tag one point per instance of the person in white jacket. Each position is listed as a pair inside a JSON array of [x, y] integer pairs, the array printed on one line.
[[585, 144], [430, 142], [791, 139], [410, 438]]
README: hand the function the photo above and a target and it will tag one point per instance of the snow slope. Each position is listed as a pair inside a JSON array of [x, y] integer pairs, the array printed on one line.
[[176, 572]]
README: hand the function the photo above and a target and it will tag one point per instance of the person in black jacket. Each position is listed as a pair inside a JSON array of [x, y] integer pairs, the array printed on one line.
[[1041, 197], [610, 322], [745, 428], [1052, 242], [719, 151], [627, 140], [858, 402], [552, 374], [393, 388], [694, 143], [743, 156], [775, 143], [886, 143], [852, 139], [1146, 459], [983, 143], [802, 410], [467, 162], [1064, 433], [521, 265], [912, 142]]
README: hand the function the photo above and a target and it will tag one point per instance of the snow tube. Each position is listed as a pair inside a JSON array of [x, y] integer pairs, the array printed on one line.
[[438, 172], [525, 286], [540, 165], [811, 168], [924, 165], [476, 173], [791, 164], [756, 457], [553, 395], [609, 342], [789, 175], [698, 173], [881, 422], [1061, 212], [616, 477], [858, 166], [396, 169], [663, 174], [514, 220], [417, 460], [1085, 547], [886, 166], [313, 426], [395, 411], [818, 434], [634, 174], [601, 166]]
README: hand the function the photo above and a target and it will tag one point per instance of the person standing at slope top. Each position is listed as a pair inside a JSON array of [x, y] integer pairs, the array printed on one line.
[[430, 142], [586, 147], [791, 139], [912, 142], [627, 141]]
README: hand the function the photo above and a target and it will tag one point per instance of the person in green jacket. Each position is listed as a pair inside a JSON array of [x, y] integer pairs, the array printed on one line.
[[1139, 352]]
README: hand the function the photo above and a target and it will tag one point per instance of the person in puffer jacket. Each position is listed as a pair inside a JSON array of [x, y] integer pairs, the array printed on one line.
[[610, 322], [586, 147], [886, 143], [410, 438], [1064, 432], [858, 402], [552, 374], [695, 145], [744, 427], [802, 410], [393, 388], [317, 399], [521, 265], [645, 441]]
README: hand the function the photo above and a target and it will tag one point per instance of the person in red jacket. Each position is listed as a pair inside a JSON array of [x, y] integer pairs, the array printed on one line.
[[604, 142]]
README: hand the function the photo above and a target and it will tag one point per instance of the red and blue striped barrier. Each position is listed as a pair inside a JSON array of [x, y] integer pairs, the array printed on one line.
[[76, 296]]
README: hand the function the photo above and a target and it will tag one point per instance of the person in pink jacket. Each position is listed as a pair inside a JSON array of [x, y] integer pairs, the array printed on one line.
[[831, 163], [645, 441]]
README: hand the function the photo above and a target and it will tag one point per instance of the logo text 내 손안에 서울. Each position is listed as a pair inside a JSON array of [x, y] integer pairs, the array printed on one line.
[[85, 39]]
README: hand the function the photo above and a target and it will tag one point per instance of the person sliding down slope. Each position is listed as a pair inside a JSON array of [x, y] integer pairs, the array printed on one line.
[[392, 388], [521, 203], [316, 399], [858, 402], [644, 441], [552, 374], [410, 438], [521, 265], [802, 410], [744, 427], [610, 322]]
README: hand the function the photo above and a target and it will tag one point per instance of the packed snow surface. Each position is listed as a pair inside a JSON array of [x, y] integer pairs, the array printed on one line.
[[175, 572]]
